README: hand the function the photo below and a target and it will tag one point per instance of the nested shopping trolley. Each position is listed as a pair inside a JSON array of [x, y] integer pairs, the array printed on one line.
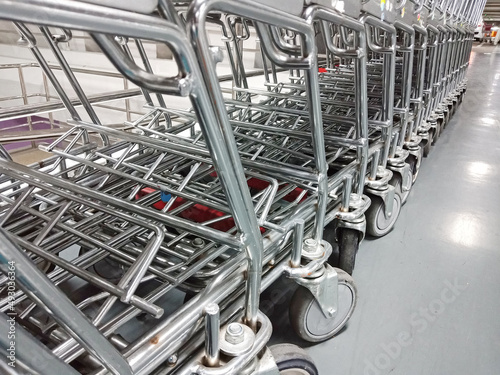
[[450, 27], [276, 112], [105, 230], [272, 131]]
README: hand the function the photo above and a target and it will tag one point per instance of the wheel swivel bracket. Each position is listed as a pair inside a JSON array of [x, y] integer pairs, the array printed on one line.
[[324, 288]]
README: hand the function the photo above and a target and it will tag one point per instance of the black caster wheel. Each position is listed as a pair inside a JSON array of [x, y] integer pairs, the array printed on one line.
[[109, 269], [188, 297], [446, 120], [428, 145], [441, 124], [348, 240], [414, 167], [106, 268], [330, 236], [377, 223], [307, 318], [435, 134], [293, 360]]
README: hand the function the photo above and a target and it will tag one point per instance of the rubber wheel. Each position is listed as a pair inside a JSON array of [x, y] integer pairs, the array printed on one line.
[[445, 121], [428, 144], [377, 224], [441, 124], [414, 167], [108, 269], [188, 297], [293, 360], [435, 134], [307, 318], [348, 248], [439, 129], [451, 110], [330, 236], [397, 182]]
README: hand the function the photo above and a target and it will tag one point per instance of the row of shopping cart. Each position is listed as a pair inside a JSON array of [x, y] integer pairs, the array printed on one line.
[[277, 129]]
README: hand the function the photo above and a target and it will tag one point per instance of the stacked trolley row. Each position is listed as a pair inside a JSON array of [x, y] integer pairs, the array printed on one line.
[[417, 59], [450, 30], [209, 207], [298, 127]]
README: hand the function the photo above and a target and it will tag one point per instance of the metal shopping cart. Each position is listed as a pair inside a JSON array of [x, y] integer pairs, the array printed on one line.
[[277, 111], [449, 30], [272, 131], [274, 120], [381, 48], [188, 187]]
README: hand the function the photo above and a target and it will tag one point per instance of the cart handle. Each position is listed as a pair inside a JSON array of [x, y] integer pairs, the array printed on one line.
[[180, 85]]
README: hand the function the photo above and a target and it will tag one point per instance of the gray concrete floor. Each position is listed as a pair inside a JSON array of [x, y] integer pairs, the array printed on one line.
[[429, 291]]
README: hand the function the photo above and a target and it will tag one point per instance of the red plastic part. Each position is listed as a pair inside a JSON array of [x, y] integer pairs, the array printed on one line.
[[200, 213], [197, 213]]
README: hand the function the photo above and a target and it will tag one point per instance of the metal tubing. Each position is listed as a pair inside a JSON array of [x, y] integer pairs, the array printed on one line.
[[25, 32], [29, 350], [69, 74], [9, 113], [298, 243], [212, 327], [196, 21], [346, 194], [48, 296], [118, 203]]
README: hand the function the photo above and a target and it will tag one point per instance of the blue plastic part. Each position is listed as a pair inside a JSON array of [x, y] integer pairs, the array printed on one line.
[[165, 197]]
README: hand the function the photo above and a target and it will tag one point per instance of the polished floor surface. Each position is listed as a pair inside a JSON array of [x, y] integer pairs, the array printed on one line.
[[429, 291]]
